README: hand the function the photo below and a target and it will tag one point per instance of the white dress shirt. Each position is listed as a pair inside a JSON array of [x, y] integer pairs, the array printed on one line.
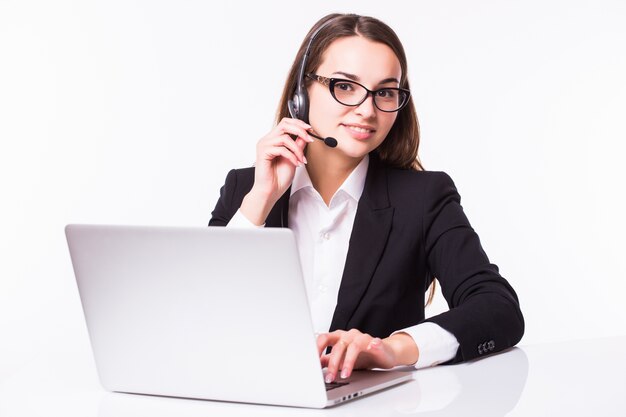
[[322, 234]]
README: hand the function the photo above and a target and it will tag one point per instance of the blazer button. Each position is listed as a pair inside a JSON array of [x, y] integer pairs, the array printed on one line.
[[481, 348], [491, 345]]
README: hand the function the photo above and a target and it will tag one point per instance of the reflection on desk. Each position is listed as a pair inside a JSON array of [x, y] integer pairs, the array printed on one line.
[[577, 378], [491, 387]]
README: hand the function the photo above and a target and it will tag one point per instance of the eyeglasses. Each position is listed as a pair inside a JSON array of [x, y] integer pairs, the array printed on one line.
[[351, 93]]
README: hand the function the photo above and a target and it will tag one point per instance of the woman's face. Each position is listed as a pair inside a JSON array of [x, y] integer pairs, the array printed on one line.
[[358, 129]]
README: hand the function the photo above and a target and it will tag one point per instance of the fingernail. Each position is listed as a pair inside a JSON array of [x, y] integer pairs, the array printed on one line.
[[344, 374], [329, 378], [304, 159]]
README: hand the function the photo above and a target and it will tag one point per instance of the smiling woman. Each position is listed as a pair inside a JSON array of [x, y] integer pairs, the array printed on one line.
[[360, 126], [374, 230]]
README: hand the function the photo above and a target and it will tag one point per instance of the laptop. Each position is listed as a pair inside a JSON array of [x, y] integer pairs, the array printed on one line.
[[206, 313]]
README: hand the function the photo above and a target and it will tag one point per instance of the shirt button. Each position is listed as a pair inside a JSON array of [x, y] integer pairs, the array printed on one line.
[[325, 236], [322, 288]]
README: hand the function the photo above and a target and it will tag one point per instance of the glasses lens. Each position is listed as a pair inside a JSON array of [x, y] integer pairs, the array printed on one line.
[[390, 99], [349, 93], [352, 94]]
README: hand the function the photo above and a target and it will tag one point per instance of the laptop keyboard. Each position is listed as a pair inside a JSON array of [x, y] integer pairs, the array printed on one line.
[[333, 385]]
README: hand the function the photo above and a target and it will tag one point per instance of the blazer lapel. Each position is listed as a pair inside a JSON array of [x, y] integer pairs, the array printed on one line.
[[372, 225]]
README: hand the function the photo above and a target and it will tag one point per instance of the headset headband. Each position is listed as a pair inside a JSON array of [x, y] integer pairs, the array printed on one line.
[[299, 105], [308, 50]]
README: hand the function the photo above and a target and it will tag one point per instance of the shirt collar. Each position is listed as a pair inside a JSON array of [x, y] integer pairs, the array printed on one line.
[[353, 185]]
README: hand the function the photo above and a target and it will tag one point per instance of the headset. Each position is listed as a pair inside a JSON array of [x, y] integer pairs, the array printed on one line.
[[299, 105]]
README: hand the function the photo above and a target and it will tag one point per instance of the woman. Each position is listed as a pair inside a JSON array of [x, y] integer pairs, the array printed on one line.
[[373, 229]]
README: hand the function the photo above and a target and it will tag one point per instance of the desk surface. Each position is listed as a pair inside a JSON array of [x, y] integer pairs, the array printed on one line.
[[578, 378]]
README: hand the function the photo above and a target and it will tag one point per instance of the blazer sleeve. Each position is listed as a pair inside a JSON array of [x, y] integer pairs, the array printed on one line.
[[484, 310], [229, 202]]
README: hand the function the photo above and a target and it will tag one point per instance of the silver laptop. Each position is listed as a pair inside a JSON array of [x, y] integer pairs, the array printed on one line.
[[207, 313]]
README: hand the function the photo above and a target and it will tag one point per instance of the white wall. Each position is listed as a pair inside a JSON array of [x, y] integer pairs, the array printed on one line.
[[132, 112]]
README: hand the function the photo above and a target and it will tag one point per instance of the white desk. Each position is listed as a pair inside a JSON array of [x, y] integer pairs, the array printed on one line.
[[580, 378]]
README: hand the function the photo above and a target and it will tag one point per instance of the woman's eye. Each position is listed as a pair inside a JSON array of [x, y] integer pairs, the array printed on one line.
[[386, 93], [344, 86]]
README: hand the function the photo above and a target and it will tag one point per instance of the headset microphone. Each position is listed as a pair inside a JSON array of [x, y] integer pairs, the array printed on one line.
[[330, 142]]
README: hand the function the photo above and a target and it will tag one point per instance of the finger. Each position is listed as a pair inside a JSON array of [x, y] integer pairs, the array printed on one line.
[[360, 343], [297, 130], [278, 151], [328, 339], [324, 360], [322, 343], [336, 357], [290, 144], [298, 122], [301, 144], [285, 143], [356, 347], [352, 353]]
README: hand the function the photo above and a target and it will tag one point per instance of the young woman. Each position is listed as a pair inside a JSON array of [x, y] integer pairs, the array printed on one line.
[[373, 228]]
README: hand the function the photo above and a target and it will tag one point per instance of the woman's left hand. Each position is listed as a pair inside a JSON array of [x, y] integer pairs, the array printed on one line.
[[356, 350]]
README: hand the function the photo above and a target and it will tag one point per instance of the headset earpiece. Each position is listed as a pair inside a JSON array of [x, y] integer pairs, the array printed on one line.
[[298, 106], [301, 103]]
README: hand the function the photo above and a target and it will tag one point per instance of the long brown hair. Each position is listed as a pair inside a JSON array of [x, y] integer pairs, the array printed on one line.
[[400, 147]]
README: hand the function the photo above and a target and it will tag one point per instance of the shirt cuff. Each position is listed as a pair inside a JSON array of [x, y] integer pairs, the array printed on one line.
[[241, 221], [436, 345]]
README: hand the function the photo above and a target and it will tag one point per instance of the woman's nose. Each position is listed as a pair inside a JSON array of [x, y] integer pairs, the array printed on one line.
[[367, 109]]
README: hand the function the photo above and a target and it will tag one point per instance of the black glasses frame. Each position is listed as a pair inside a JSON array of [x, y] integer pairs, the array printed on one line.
[[330, 83]]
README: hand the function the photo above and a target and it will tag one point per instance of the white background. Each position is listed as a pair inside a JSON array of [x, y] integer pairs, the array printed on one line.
[[132, 112]]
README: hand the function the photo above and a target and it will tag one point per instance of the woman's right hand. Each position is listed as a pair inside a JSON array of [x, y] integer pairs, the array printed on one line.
[[277, 156]]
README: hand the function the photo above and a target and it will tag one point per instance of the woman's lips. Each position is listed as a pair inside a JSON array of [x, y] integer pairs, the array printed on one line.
[[359, 132]]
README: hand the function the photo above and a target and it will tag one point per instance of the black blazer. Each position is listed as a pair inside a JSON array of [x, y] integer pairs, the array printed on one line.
[[409, 228]]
